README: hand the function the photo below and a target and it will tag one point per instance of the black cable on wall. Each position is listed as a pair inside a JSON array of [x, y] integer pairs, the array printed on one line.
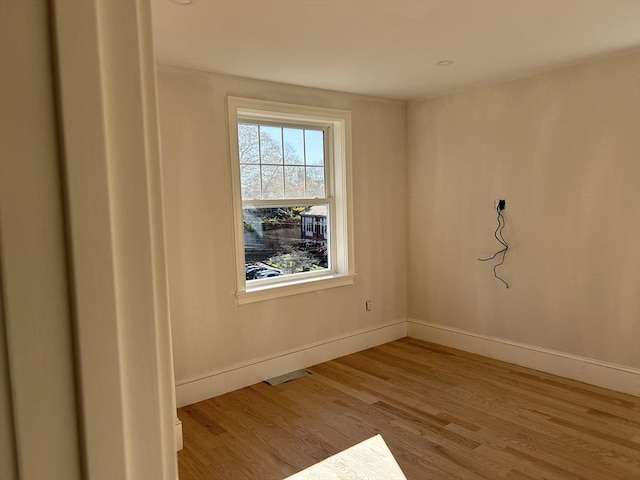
[[498, 235]]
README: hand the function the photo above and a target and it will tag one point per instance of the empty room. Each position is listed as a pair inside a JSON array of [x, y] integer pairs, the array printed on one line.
[[320, 239], [367, 275]]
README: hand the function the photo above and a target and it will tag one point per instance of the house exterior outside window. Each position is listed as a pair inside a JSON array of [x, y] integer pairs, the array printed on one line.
[[314, 222]]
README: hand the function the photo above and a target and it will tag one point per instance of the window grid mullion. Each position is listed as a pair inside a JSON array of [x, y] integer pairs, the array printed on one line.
[[284, 189], [260, 157], [291, 202]]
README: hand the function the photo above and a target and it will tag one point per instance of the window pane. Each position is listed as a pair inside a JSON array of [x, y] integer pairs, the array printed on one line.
[[250, 181], [271, 145], [248, 143], [285, 240], [314, 147], [315, 187], [293, 146], [272, 182], [294, 182]]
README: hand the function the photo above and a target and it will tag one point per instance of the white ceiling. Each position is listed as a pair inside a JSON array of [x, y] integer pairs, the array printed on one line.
[[389, 48]]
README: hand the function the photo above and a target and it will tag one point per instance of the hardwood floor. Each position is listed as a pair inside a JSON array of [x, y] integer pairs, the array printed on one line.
[[445, 414]]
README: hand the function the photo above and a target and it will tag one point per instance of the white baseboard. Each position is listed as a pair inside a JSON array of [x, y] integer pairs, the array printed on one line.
[[608, 375], [177, 428], [595, 372], [238, 376]]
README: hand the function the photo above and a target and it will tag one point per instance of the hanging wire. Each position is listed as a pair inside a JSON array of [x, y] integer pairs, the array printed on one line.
[[498, 236]]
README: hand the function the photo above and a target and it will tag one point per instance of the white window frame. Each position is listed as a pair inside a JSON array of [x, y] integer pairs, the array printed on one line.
[[337, 125]]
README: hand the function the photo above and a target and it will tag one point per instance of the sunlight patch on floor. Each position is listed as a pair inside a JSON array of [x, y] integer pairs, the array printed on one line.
[[368, 460]]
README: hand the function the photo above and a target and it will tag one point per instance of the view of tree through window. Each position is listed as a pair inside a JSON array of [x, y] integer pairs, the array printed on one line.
[[281, 162], [286, 164]]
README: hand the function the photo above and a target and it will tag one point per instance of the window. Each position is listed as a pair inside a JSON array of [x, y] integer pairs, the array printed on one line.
[[291, 184]]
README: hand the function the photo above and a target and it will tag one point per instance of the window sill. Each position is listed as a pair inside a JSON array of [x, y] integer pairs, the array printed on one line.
[[269, 292]]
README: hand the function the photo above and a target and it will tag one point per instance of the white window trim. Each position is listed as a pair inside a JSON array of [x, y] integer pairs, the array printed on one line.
[[339, 123]]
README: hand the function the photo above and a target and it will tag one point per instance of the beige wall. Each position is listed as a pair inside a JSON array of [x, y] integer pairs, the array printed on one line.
[[210, 332], [563, 149]]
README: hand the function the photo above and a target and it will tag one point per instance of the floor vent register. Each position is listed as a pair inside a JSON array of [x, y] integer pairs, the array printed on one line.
[[287, 377]]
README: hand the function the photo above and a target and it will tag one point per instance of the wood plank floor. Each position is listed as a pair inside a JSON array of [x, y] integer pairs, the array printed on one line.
[[445, 414]]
